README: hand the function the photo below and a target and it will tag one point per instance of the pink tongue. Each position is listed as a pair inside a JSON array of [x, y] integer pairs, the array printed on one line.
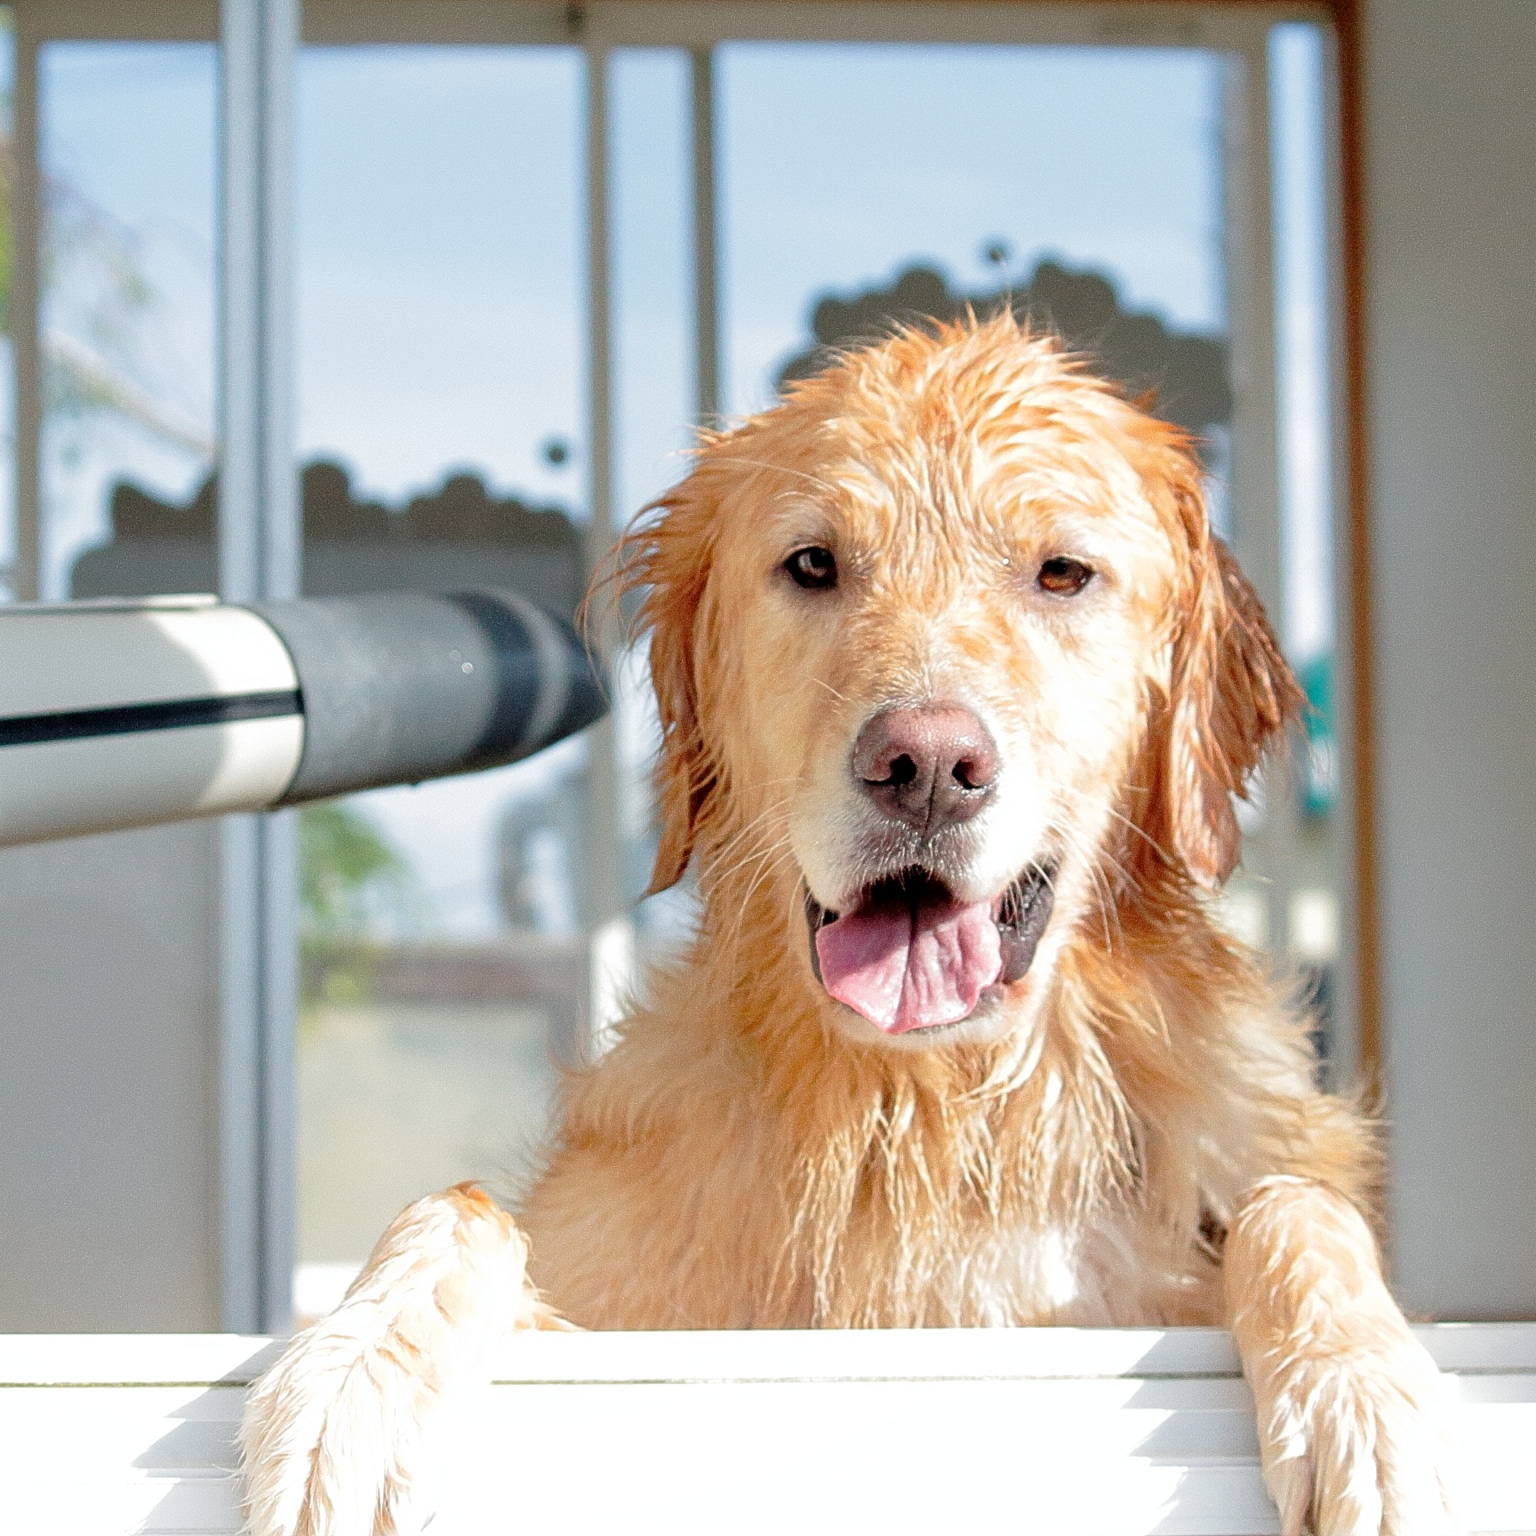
[[908, 964]]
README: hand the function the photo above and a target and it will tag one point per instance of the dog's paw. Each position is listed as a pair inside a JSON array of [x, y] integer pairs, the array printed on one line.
[[1360, 1446], [336, 1437]]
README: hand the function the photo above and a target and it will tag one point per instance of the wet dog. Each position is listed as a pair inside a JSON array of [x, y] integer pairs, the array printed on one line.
[[957, 689]]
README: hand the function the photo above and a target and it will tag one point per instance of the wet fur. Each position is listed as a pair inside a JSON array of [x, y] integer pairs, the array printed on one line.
[[1143, 1144]]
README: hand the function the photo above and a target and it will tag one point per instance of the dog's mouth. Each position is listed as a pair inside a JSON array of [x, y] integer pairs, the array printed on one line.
[[907, 955]]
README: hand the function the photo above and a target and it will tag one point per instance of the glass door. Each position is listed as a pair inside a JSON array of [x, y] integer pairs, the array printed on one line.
[[534, 245], [443, 444]]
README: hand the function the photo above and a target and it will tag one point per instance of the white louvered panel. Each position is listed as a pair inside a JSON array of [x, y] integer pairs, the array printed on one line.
[[1114, 1431], [867, 1354], [845, 1457], [1499, 1450], [124, 1426], [1213, 1498], [84, 1359], [188, 1502]]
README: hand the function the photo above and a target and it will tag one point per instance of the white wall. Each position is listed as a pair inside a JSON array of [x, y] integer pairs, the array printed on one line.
[[108, 1141], [1451, 171]]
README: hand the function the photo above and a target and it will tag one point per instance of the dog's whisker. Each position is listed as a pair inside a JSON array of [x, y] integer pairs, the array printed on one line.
[[819, 481], [1089, 857], [754, 859], [777, 808], [1109, 908], [769, 864], [721, 873], [822, 683], [722, 879], [1104, 854], [1119, 816]]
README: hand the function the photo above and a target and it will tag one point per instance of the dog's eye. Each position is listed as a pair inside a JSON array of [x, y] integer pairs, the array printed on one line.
[[1063, 577], [813, 568]]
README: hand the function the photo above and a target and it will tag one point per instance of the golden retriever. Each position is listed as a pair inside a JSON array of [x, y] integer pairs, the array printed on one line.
[[957, 688]]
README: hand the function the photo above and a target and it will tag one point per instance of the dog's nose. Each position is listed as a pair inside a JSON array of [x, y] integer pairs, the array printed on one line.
[[929, 767]]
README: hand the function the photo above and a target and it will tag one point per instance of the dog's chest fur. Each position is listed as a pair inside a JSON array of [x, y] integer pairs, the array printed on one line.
[[967, 1267], [865, 1198]]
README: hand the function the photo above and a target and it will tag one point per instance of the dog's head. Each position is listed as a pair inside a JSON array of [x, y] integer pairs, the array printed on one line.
[[948, 661]]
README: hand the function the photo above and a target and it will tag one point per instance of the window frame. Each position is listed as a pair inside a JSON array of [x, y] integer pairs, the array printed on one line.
[[258, 995]]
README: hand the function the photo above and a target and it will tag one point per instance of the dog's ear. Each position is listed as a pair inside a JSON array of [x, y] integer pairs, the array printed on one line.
[[1231, 698], [666, 561]]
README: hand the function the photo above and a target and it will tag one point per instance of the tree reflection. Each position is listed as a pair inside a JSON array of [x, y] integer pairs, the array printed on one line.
[[1182, 375]]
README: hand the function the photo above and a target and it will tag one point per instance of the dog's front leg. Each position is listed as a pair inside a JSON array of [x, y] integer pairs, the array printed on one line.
[[336, 1433], [1352, 1412]]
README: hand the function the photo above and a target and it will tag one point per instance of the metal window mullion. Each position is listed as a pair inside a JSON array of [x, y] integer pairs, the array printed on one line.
[[706, 246], [259, 554], [259, 523], [611, 941], [1250, 285], [1255, 471], [1351, 1061], [599, 308], [27, 234]]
